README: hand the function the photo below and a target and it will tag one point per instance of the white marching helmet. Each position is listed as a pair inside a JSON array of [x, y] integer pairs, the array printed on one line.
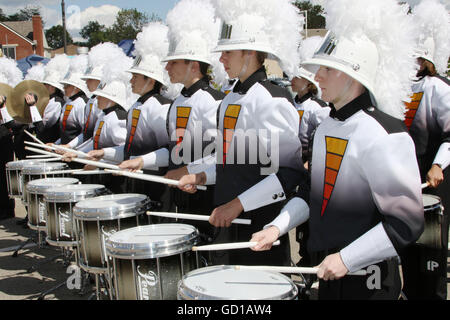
[[93, 73], [191, 47], [356, 56], [149, 66], [245, 33], [115, 91], [55, 70], [77, 69]]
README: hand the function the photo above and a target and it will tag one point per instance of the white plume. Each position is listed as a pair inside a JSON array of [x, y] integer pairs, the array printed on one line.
[[387, 25], [36, 73], [152, 40], [103, 53], [10, 74], [59, 64], [280, 20], [433, 20]]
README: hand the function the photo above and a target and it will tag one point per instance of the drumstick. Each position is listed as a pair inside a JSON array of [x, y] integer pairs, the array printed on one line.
[[67, 171], [293, 270], [91, 172], [55, 147], [148, 177], [425, 185], [37, 157], [84, 161], [229, 246], [192, 217], [34, 138]]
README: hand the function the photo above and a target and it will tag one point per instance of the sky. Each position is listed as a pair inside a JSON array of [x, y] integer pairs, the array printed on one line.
[[80, 12]]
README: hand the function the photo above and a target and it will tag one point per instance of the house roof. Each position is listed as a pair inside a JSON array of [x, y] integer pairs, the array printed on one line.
[[25, 30]]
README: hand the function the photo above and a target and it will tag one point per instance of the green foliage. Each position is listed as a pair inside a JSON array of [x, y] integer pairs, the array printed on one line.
[[55, 37], [315, 18]]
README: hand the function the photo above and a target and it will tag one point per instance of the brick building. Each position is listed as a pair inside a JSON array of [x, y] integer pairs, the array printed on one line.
[[19, 39]]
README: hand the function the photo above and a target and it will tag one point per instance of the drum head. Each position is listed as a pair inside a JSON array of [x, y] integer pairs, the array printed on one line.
[[430, 200], [152, 241], [18, 165], [44, 167], [227, 283], [74, 193], [111, 207], [42, 185]]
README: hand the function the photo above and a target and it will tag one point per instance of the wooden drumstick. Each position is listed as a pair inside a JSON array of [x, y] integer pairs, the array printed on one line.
[[152, 178], [229, 246], [55, 147], [303, 270], [425, 185], [192, 217], [34, 138]]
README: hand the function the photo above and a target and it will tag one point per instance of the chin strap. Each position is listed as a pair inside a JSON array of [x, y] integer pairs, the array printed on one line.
[[345, 93], [143, 90], [188, 72], [245, 66]]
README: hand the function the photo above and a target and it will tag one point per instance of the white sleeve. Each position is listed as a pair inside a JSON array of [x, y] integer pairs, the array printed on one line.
[[200, 165], [35, 115], [5, 115], [372, 247], [87, 147], [443, 155], [156, 159], [265, 192], [76, 141], [52, 114], [293, 214], [114, 153]]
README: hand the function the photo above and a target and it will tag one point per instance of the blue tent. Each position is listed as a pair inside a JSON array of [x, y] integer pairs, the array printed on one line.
[[127, 47], [26, 63]]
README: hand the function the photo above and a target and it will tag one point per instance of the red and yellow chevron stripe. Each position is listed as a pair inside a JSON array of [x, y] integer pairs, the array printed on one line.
[[134, 122], [97, 134], [229, 125], [183, 114], [86, 125], [335, 153], [300, 113], [67, 111], [411, 108]]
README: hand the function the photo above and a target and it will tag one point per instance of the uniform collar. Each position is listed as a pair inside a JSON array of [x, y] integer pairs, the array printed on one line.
[[76, 96], [111, 109], [361, 102], [200, 84], [257, 76], [147, 96], [304, 98]]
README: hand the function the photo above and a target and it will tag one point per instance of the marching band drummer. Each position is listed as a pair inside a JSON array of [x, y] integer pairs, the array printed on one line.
[[192, 115], [98, 56], [256, 113], [365, 199], [76, 92], [428, 121], [311, 109], [47, 127], [146, 121]]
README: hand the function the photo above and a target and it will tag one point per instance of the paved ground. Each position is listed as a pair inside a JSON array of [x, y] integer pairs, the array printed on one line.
[[18, 282]]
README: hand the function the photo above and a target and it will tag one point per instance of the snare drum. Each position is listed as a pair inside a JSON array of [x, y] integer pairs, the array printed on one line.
[[41, 170], [147, 262], [37, 213], [433, 214], [102, 215], [59, 204], [14, 176], [227, 283]]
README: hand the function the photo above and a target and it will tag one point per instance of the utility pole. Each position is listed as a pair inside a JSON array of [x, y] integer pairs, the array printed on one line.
[[64, 25]]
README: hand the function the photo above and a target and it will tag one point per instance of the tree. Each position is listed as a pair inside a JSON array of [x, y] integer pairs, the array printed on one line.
[[94, 33], [129, 22], [3, 16], [315, 18], [55, 37], [26, 14]]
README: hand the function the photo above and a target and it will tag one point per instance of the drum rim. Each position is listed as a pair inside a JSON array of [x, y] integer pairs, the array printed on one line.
[[151, 250], [56, 195], [32, 188], [20, 164], [432, 206], [191, 294], [120, 212]]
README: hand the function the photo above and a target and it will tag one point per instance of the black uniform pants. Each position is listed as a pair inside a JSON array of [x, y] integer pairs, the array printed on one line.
[[6, 155]]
